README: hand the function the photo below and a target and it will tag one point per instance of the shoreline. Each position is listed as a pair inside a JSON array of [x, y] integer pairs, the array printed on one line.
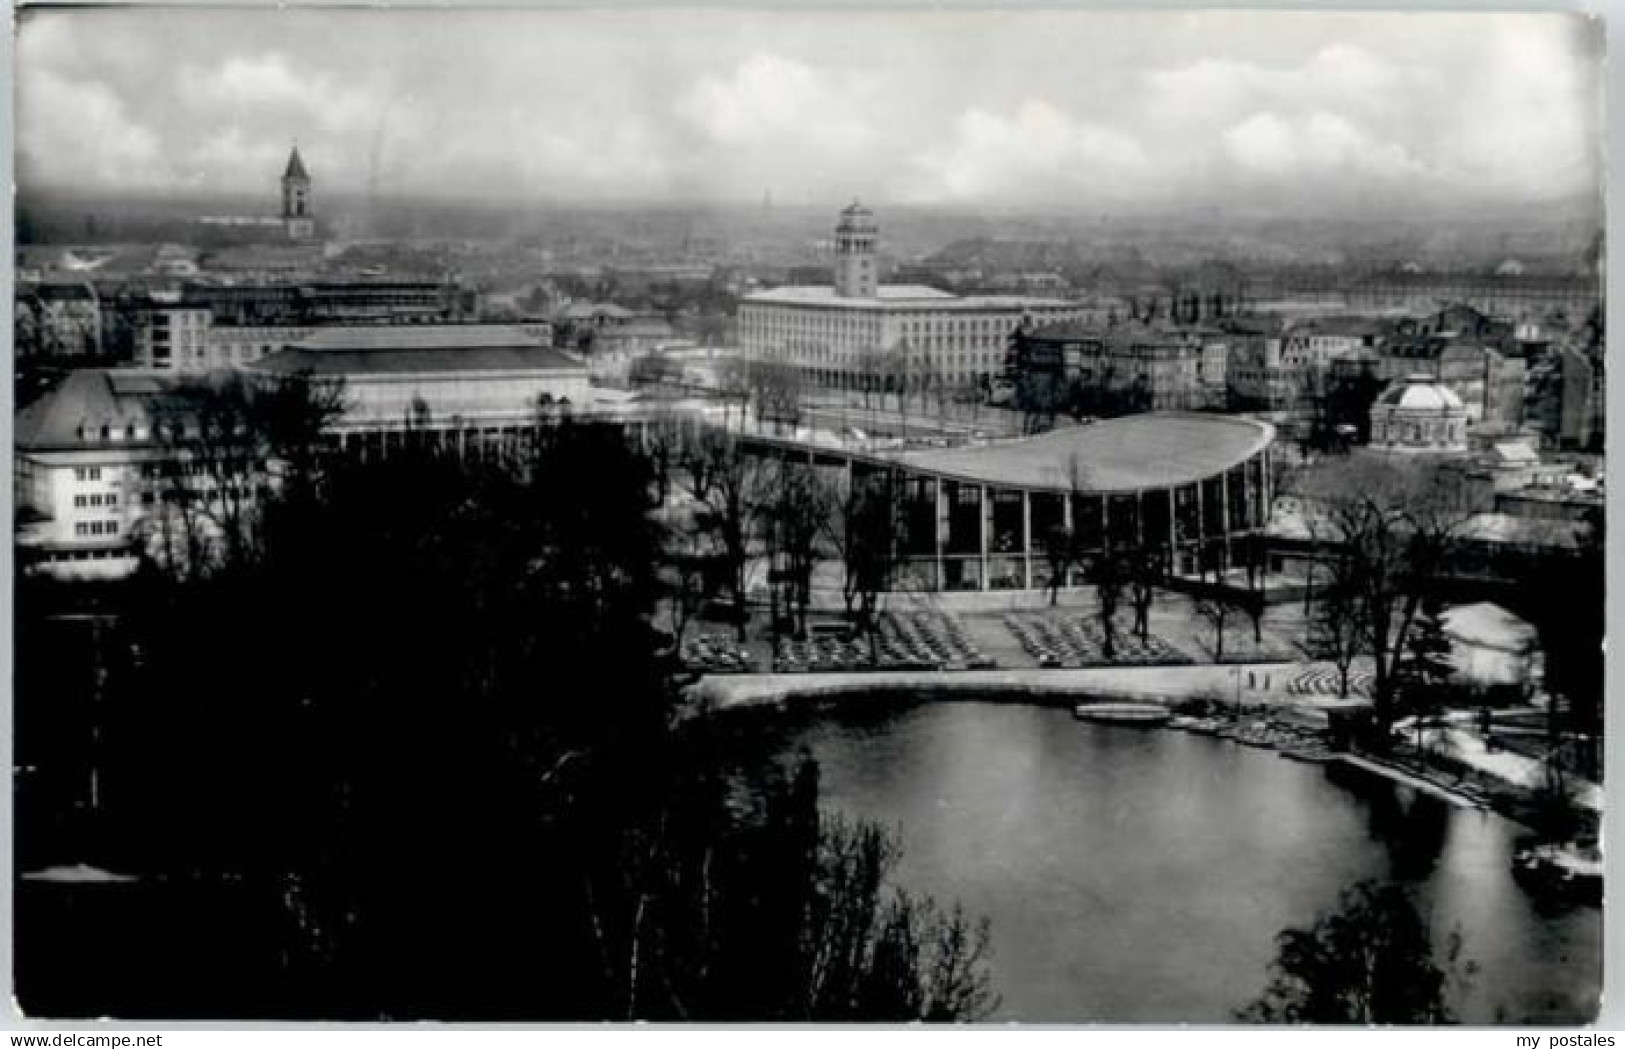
[[1258, 725]]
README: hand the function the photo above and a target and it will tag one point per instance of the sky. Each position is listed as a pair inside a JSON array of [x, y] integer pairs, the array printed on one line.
[[1011, 108]]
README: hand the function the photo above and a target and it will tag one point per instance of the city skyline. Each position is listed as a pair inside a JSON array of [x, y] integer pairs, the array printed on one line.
[[1338, 115]]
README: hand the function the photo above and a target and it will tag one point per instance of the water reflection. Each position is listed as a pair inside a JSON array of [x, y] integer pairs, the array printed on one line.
[[1142, 876]]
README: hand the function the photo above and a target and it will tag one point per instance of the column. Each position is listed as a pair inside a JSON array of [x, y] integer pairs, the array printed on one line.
[[1026, 539], [1201, 528], [1066, 521], [984, 511], [1224, 513], [1172, 559], [941, 573]]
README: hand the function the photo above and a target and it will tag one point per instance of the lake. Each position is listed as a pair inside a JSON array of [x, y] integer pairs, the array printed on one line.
[[1141, 876]]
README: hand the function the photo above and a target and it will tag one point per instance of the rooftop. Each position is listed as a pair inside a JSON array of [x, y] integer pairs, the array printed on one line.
[[1155, 450], [894, 296], [75, 414], [413, 348]]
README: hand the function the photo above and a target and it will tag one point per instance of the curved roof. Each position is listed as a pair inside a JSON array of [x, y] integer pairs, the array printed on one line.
[[1420, 393], [1154, 450]]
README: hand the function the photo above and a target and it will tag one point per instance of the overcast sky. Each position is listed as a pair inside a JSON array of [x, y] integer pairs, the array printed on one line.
[[1021, 109]]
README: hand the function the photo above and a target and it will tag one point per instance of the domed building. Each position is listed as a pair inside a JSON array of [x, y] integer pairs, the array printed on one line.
[[1419, 414]]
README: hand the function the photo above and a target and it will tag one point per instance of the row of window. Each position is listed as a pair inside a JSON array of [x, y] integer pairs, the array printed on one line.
[[98, 499], [93, 528]]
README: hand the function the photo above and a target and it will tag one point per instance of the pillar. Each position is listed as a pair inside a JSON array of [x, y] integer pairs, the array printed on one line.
[[983, 520], [1066, 521], [1026, 540], [939, 571]]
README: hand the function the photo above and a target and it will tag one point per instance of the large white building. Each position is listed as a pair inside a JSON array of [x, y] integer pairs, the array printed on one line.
[[470, 383], [91, 471], [86, 466], [860, 334]]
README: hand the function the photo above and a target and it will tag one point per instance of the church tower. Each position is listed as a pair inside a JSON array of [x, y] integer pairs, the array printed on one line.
[[856, 269], [296, 214]]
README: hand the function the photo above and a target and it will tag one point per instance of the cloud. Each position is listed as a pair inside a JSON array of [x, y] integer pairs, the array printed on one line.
[[1030, 108], [84, 132], [769, 99], [1033, 152], [1319, 146]]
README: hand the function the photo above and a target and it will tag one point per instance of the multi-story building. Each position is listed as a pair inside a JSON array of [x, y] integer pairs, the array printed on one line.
[[1489, 382], [1256, 373], [861, 334], [1312, 345], [202, 327], [1143, 366], [171, 332], [86, 455], [96, 455]]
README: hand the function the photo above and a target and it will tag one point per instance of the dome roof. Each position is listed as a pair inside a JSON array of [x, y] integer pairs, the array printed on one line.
[[1421, 393]]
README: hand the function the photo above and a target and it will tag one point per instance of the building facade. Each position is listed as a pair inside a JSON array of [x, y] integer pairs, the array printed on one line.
[[1419, 414], [861, 334], [1142, 366], [1191, 486], [86, 463], [472, 385]]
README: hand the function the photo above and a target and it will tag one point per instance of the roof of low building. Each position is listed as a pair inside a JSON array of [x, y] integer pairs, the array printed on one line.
[[1515, 453], [1487, 625], [351, 338], [1154, 450], [74, 415], [412, 348], [296, 361]]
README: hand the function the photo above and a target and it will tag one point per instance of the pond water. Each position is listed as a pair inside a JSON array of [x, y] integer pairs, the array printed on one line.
[[1141, 876]]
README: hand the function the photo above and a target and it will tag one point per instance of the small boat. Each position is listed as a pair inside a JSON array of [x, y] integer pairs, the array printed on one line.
[[1140, 714]]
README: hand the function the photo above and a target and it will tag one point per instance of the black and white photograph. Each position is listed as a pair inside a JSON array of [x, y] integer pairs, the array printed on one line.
[[787, 515]]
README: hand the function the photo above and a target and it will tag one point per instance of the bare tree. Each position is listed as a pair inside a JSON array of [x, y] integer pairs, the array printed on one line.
[[1214, 608], [796, 511], [774, 389], [226, 443], [728, 485], [1337, 632], [865, 533], [1395, 528]]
